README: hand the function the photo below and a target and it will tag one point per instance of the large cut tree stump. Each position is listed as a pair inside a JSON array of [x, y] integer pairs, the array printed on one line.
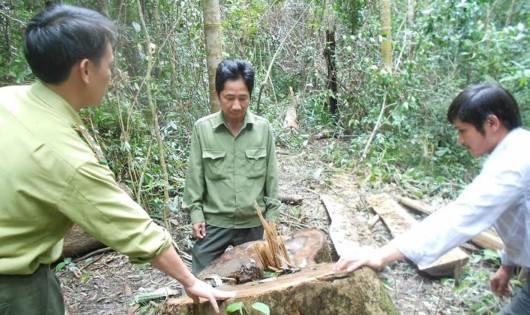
[[242, 263], [316, 290]]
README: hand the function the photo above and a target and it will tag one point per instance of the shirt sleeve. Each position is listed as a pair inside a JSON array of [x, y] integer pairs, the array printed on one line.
[[195, 186], [489, 196], [272, 202], [94, 201]]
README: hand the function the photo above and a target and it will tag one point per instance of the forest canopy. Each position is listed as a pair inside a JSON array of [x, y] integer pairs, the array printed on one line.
[[379, 81]]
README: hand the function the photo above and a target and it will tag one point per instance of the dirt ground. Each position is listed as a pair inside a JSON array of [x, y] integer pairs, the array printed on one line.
[[107, 284]]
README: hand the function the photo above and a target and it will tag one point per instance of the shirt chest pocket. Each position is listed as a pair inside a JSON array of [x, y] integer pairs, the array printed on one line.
[[214, 164], [256, 162]]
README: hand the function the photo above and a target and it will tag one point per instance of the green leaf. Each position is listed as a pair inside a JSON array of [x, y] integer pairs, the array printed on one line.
[[60, 266], [262, 308], [234, 307]]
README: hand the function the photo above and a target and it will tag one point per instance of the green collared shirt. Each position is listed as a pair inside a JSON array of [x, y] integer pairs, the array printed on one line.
[[50, 177], [227, 174]]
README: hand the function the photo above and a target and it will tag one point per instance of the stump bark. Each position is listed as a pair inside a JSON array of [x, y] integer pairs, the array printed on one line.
[[316, 290]]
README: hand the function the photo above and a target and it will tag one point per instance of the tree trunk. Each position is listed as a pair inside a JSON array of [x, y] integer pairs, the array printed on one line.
[[329, 55], [317, 290], [212, 41], [386, 33]]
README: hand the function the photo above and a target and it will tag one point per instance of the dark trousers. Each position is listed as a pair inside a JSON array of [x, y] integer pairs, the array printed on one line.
[[36, 294], [216, 241]]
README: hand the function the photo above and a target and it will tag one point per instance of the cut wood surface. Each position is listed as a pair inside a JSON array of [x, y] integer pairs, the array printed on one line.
[[487, 239], [316, 290], [347, 232], [242, 263], [398, 220]]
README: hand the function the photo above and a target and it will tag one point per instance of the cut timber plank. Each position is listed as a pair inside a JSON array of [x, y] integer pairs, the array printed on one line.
[[316, 290], [398, 221], [346, 232], [486, 239]]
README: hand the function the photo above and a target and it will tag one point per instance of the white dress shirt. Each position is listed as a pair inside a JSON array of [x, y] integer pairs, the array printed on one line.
[[498, 196]]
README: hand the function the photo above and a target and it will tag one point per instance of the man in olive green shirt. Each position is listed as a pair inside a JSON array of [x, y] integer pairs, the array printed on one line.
[[53, 174], [232, 165]]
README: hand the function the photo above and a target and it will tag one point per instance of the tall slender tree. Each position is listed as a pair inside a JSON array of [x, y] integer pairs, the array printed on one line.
[[212, 40], [386, 33]]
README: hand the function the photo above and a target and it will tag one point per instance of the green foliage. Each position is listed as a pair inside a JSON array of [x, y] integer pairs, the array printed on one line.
[[240, 308], [475, 276], [66, 263]]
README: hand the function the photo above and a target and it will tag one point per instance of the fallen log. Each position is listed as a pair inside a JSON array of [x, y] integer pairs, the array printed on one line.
[[486, 239], [398, 221], [243, 264], [316, 290]]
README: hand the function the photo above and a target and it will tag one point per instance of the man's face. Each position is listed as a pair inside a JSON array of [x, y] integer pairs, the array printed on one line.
[[475, 142], [234, 100], [100, 75]]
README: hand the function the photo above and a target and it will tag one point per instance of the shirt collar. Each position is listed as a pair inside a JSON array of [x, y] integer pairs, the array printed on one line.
[[505, 142], [56, 102], [219, 120]]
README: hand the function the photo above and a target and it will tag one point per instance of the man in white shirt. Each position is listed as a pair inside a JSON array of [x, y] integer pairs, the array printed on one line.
[[488, 122]]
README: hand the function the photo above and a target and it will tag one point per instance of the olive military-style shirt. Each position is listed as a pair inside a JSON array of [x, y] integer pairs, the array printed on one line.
[[227, 174], [50, 177]]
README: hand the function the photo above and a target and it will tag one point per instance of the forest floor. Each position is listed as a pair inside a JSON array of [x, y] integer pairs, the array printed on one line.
[[107, 283]]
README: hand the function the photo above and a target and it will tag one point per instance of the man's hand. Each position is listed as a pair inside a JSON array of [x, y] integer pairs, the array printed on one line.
[[199, 230], [373, 258], [499, 281], [362, 257], [200, 289]]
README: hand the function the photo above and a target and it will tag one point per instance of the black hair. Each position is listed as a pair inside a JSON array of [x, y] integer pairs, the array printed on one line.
[[477, 102], [234, 70], [61, 35]]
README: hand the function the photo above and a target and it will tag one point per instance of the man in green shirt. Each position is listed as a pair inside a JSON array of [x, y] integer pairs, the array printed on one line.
[[232, 165], [53, 174]]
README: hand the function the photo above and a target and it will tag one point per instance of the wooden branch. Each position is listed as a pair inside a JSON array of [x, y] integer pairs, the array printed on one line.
[[376, 127], [415, 205]]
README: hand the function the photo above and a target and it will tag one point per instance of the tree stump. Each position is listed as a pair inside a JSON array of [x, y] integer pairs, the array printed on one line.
[[242, 263], [315, 290]]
